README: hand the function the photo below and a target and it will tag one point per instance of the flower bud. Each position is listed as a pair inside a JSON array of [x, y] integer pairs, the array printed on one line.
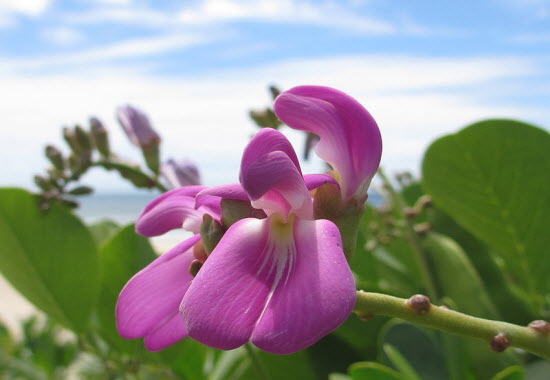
[[43, 183], [54, 155], [180, 173], [140, 132], [137, 126], [100, 137], [83, 139], [70, 137], [211, 233], [81, 190]]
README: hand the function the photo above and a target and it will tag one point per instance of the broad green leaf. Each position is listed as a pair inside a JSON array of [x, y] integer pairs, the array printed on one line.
[[400, 363], [414, 344], [456, 276], [187, 358], [511, 307], [492, 178], [125, 254], [372, 371], [103, 230], [50, 258], [510, 373]]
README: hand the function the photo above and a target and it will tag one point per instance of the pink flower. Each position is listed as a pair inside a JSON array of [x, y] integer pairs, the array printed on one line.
[[349, 137], [137, 126], [148, 304], [281, 282], [181, 173]]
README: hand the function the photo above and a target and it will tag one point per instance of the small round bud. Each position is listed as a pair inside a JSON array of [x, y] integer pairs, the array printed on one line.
[[194, 267], [419, 303], [499, 342], [540, 326]]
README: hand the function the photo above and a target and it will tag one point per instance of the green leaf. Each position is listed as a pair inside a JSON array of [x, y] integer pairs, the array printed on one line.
[[103, 230], [50, 258], [510, 373], [400, 362], [492, 178], [125, 254], [413, 344], [187, 358], [372, 371], [456, 276], [511, 307]]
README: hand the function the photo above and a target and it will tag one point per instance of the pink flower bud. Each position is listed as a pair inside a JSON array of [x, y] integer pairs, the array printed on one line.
[[180, 173], [137, 126]]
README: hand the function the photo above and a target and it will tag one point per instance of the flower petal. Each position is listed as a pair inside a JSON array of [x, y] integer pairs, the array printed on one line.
[[313, 181], [316, 293], [349, 138], [232, 191], [227, 296], [268, 140], [154, 293], [170, 211], [170, 332], [272, 178]]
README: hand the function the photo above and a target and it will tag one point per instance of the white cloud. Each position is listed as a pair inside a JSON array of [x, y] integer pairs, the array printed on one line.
[[27, 7], [91, 57], [62, 36], [205, 117]]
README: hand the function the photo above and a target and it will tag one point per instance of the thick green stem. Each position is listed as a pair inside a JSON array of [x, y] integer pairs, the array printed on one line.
[[411, 236], [371, 304]]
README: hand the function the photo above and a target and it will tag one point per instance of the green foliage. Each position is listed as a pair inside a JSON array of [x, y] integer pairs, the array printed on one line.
[[49, 257], [372, 371], [121, 257], [492, 178]]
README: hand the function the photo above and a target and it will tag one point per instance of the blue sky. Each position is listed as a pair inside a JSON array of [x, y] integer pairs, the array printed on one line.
[[422, 68]]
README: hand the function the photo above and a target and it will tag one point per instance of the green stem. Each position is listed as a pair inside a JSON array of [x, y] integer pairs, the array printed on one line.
[[411, 236], [256, 362], [369, 304]]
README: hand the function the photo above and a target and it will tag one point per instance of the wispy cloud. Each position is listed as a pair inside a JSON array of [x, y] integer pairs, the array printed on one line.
[[62, 36], [327, 14], [27, 7], [133, 48], [414, 99]]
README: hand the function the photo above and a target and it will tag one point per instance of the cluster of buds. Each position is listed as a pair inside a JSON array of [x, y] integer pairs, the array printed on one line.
[[394, 218], [90, 147], [58, 182]]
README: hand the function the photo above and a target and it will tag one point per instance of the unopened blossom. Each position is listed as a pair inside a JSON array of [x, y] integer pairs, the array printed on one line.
[[350, 140], [281, 282], [148, 304], [137, 126], [180, 173]]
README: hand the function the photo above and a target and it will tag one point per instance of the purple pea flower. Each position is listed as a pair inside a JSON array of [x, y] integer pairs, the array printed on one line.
[[350, 140], [281, 282], [137, 126], [148, 304], [180, 173]]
